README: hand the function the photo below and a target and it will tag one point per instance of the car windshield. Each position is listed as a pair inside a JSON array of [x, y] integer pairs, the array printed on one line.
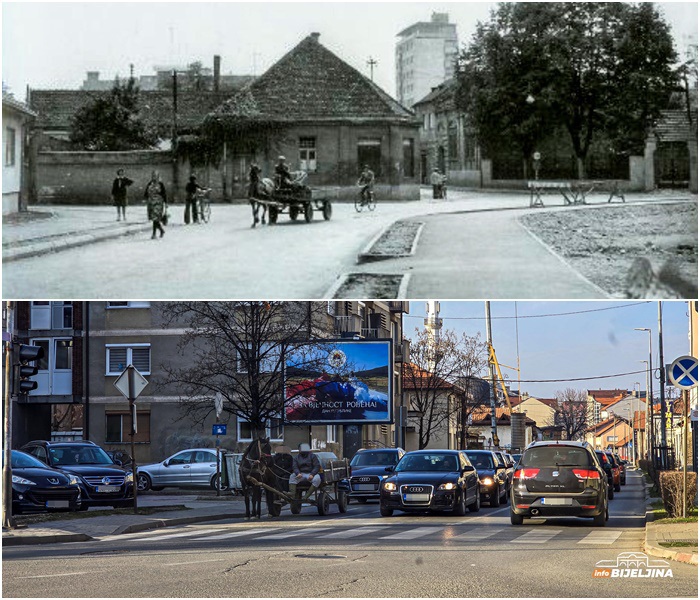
[[79, 455], [555, 456], [428, 462], [25, 461], [480, 461], [370, 459]]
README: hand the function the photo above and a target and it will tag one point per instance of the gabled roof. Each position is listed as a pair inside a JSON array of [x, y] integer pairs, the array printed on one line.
[[607, 397], [310, 83], [673, 126], [441, 94], [414, 377], [9, 101], [482, 416]]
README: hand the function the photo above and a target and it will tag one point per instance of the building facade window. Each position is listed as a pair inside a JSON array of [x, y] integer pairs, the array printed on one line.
[[132, 304], [307, 154], [51, 315], [55, 368], [10, 146], [369, 152], [245, 431], [331, 434], [118, 427], [274, 429], [120, 356], [269, 359], [408, 157]]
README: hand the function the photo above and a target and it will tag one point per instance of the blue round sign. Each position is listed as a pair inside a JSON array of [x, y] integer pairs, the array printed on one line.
[[684, 372]]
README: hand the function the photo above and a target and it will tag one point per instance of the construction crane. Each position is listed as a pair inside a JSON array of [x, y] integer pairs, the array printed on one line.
[[494, 361]]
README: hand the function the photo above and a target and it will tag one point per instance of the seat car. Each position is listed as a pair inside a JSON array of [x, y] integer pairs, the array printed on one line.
[[368, 469], [559, 478], [194, 467], [102, 482], [608, 468], [37, 487], [509, 465], [617, 472], [492, 478], [430, 480]]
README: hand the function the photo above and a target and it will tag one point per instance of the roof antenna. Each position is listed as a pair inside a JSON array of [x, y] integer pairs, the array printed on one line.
[[371, 62]]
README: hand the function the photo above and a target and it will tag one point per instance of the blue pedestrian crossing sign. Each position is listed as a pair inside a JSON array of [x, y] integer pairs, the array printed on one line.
[[218, 429], [683, 373]]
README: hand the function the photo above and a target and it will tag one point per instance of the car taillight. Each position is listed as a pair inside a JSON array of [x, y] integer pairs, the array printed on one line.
[[525, 473], [586, 473]]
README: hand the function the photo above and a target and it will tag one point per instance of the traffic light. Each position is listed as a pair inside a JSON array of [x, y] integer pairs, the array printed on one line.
[[27, 355]]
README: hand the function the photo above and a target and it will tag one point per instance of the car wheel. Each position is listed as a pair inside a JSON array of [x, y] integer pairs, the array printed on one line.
[[213, 483], [599, 520], [385, 511], [611, 493], [515, 519], [460, 508], [476, 505], [143, 482], [617, 487]]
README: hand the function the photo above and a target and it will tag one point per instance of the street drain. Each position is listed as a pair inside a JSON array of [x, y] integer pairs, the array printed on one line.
[[336, 556]]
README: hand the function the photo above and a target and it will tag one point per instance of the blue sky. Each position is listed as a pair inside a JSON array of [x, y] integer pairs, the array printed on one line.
[[566, 347], [53, 44]]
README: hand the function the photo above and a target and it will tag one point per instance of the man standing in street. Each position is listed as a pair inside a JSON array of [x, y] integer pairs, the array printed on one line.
[[119, 187]]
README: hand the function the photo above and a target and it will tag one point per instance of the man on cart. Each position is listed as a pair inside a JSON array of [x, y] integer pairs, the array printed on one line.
[[305, 467], [283, 175]]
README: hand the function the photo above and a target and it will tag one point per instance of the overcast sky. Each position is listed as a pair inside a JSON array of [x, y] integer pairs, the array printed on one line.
[[565, 347], [53, 44]]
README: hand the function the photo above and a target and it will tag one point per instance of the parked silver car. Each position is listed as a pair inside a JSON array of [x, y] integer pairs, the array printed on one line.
[[195, 467]]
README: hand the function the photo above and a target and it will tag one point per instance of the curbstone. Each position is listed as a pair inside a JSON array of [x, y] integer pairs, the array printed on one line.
[[158, 523], [57, 538]]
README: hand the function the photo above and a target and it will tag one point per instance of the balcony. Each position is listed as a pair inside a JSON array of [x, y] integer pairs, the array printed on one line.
[[398, 306], [375, 333], [349, 324]]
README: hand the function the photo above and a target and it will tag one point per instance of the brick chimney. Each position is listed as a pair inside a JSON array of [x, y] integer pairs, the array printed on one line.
[[217, 72], [314, 36]]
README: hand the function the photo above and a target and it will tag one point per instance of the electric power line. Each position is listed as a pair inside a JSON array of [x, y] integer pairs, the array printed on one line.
[[581, 378]]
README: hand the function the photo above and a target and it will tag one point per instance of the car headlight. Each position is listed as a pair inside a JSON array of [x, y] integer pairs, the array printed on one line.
[[74, 480], [21, 480], [447, 486], [129, 477], [487, 481], [390, 487]]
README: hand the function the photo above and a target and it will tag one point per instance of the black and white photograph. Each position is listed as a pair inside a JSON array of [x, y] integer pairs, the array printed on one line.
[[350, 150]]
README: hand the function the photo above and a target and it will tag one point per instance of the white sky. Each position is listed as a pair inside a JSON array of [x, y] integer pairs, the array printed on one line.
[[53, 44]]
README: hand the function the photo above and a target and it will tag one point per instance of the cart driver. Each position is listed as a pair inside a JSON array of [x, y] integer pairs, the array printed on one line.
[[366, 182], [305, 467], [282, 174]]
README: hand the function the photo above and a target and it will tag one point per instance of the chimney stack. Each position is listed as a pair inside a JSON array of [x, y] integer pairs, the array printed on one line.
[[217, 72], [315, 35]]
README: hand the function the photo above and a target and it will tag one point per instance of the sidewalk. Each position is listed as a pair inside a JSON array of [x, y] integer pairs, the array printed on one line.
[[669, 533], [86, 528]]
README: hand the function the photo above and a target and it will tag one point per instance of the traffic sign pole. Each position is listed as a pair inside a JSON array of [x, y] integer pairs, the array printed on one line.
[[132, 406]]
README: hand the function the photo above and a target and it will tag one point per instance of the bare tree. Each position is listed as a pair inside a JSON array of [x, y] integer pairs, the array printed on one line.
[[237, 350], [473, 389], [572, 413], [432, 380]]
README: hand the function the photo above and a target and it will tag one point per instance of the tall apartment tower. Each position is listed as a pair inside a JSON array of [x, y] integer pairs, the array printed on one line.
[[425, 57]]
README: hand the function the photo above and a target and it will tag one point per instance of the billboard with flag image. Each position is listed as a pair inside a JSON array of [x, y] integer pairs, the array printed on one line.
[[339, 382]]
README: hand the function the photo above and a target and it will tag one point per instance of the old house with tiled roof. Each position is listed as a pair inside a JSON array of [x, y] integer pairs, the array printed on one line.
[[15, 119], [480, 428]]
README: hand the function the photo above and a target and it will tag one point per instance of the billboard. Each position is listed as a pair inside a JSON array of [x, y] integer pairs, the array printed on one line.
[[329, 382]]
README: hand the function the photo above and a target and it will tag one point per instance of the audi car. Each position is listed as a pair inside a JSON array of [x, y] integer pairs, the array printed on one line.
[[492, 477], [559, 478], [37, 487], [102, 482], [430, 480], [368, 469]]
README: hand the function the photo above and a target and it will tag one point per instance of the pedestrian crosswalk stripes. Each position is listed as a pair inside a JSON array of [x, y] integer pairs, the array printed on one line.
[[295, 532], [350, 533], [478, 534], [537, 536], [606, 536], [241, 532], [168, 536], [412, 534]]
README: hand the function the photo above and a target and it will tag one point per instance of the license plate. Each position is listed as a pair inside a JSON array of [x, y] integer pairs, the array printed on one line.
[[364, 487], [416, 497], [557, 501], [107, 489], [57, 504]]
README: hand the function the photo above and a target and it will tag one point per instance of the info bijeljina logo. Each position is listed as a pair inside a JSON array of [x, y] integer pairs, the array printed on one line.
[[632, 565]]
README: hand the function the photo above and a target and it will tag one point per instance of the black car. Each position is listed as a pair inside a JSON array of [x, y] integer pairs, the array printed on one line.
[[38, 488], [492, 478], [430, 480], [608, 468], [102, 482], [559, 478], [368, 469], [506, 463]]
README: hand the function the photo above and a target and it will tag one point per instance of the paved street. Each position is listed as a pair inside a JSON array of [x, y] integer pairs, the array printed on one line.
[[292, 260], [359, 554]]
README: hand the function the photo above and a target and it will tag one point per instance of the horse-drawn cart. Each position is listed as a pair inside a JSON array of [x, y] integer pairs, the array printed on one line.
[[297, 202]]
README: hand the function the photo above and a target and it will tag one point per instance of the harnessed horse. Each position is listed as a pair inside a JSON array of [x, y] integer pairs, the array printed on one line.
[[264, 189], [255, 463]]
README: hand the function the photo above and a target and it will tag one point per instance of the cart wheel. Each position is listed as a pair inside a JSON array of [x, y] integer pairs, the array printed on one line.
[[342, 502], [308, 212], [323, 503], [273, 215], [293, 212], [327, 210]]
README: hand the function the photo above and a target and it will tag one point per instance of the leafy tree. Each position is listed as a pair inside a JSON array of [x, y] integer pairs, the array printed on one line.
[[237, 349], [572, 413], [112, 121], [586, 67]]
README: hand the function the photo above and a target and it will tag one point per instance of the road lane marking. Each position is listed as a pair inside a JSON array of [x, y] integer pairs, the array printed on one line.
[[349, 533], [601, 537], [176, 535], [475, 536], [56, 575], [412, 533], [536, 536], [241, 532], [288, 534]]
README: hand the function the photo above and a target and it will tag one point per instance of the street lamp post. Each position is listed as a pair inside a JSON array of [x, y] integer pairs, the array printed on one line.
[[650, 399]]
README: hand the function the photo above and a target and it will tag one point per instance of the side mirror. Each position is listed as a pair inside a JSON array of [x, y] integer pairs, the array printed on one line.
[[389, 469], [165, 463], [118, 462], [468, 469]]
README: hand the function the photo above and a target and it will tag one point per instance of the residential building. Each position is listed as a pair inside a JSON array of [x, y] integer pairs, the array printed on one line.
[[425, 56], [480, 432], [540, 410], [599, 400], [15, 120], [611, 434]]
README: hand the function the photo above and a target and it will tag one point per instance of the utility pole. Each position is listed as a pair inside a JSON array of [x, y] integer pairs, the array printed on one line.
[[372, 63], [8, 521], [662, 391], [173, 143], [492, 374]]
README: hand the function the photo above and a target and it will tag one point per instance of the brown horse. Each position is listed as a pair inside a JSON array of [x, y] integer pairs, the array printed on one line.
[[255, 463]]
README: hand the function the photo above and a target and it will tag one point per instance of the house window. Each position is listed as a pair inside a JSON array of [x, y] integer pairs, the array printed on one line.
[[408, 157], [307, 154], [133, 304], [245, 431], [275, 429], [612, 438], [118, 427], [369, 152], [51, 315], [330, 434], [269, 359], [453, 145], [63, 354], [120, 356], [10, 146]]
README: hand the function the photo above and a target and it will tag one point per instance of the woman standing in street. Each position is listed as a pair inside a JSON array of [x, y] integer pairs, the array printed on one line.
[[156, 203]]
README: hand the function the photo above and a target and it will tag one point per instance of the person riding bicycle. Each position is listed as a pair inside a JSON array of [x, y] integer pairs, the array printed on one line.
[[191, 190], [306, 467], [366, 182]]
